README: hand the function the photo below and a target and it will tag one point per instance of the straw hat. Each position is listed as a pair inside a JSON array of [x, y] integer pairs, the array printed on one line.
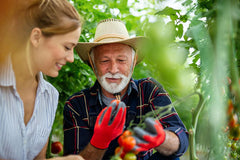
[[109, 31]]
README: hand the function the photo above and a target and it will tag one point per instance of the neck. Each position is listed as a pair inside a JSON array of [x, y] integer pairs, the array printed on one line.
[[22, 69]]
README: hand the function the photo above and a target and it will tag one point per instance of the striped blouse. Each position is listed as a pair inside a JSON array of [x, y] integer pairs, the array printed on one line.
[[17, 140]]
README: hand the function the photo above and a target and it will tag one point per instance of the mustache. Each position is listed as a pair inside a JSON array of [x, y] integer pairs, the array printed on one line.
[[117, 75], [114, 87]]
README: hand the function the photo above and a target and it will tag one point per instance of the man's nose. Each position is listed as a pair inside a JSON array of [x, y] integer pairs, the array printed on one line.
[[113, 67]]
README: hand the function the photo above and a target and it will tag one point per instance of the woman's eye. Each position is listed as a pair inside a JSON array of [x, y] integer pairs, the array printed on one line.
[[67, 48]]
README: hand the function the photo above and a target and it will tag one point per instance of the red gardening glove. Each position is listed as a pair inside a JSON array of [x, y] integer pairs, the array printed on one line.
[[151, 137], [109, 124]]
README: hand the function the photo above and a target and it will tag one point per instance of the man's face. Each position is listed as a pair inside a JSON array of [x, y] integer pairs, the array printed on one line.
[[113, 64]]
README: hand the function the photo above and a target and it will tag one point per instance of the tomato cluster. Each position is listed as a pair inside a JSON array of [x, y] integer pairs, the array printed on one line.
[[232, 114], [125, 149], [233, 124]]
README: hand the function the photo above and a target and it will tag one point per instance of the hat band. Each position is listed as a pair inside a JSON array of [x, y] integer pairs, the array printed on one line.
[[110, 36]]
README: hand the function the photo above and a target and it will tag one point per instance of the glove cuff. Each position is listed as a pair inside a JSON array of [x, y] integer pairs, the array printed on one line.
[[163, 138], [99, 143]]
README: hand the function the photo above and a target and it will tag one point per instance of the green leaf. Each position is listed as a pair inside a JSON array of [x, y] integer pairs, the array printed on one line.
[[180, 30], [168, 11]]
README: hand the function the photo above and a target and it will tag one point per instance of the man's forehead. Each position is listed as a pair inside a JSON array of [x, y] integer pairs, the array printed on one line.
[[112, 46]]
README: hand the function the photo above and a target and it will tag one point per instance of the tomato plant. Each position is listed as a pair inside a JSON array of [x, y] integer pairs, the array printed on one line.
[[233, 128]]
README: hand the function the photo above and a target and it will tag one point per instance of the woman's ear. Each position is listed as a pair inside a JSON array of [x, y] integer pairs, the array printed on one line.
[[35, 36]]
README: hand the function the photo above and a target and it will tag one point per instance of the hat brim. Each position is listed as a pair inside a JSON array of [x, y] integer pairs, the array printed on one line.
[[83, 48]]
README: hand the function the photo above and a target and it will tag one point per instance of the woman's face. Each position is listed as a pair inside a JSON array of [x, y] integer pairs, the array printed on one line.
[[53, 52]]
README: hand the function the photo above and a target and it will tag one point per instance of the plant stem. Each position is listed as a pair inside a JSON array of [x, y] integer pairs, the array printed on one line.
[[48, 154], [192, 131]]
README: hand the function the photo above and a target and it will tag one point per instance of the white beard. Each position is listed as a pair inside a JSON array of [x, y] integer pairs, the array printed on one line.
[[114, 87]]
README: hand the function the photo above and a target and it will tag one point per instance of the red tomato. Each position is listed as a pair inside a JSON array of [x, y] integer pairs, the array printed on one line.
[[120, 140], [128, 143], [233, 121], [122, 154], [127, 133], [56, 147], [124, 135]]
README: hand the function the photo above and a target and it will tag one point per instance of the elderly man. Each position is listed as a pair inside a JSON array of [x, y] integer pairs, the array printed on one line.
[[90, 130]]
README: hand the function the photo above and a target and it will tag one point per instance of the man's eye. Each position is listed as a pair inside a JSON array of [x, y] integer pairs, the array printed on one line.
[[121, 60], [104, 61]]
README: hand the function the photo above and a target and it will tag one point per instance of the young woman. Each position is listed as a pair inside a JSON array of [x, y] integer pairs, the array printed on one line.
[[47, 32]]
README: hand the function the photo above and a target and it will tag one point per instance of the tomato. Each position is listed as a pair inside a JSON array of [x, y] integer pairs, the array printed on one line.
[[127, 133], [124, 135], [118, 151], [233, 120], [235, 138], [130, 156], [56, 147], [120, 140], [128, 143], [123, 154], [234, 146]]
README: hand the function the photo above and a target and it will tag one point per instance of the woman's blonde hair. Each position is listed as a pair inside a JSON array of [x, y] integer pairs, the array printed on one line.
[[53, 17]]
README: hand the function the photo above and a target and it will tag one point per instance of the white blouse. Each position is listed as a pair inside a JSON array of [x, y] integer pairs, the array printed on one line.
[[17, 140]]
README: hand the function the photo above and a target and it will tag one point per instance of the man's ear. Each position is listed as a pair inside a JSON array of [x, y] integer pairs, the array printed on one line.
[[135, 59], [35, 36]]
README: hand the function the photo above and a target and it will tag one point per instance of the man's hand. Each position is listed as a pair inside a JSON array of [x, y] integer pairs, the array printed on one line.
[[109, 124], [151, 137]]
